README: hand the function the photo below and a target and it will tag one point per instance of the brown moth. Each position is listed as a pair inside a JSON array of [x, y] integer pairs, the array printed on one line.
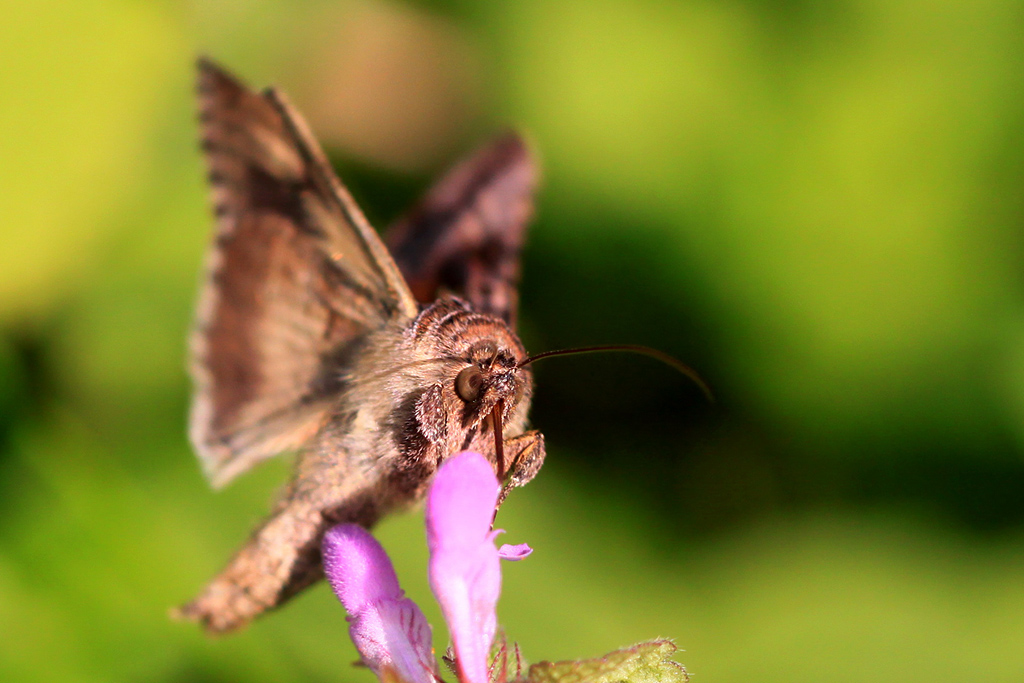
[[374, 363]]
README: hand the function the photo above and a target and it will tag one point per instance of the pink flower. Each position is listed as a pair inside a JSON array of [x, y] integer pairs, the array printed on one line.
[[388, 629]]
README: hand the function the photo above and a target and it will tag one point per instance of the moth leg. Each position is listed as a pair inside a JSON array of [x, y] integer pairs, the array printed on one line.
[[529, 452]]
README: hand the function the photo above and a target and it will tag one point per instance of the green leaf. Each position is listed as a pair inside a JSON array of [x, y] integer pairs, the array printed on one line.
[[649, 662]]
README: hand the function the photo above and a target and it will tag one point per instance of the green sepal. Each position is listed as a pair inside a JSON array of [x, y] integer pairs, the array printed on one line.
[[507, 661]]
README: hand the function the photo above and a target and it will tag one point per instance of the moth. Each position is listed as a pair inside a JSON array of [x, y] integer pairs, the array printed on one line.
[[374, 363]]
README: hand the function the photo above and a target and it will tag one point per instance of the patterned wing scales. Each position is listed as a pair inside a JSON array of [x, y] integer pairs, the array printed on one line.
[[296, 276], [465, 236]]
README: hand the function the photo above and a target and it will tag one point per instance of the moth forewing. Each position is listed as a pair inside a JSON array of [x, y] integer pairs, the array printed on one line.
[[295, 275], [355, 244], [466, 234]]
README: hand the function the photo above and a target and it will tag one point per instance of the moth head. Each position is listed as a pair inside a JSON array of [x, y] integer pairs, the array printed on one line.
[[490, 374], [482, 359]]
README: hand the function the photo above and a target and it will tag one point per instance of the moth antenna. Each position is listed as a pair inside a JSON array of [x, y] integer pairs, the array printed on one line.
[[631, 348]]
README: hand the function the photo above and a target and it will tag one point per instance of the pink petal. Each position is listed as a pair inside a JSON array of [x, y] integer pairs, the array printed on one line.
[[392, 635], [514, 553], [357, 568], [394, 640], [460, 504], [464, 570]]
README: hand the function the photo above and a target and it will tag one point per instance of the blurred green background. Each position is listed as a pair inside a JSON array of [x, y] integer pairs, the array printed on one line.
[[819, 205]]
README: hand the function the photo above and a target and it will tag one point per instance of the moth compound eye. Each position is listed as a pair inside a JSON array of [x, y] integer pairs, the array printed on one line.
[[468, 383]]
